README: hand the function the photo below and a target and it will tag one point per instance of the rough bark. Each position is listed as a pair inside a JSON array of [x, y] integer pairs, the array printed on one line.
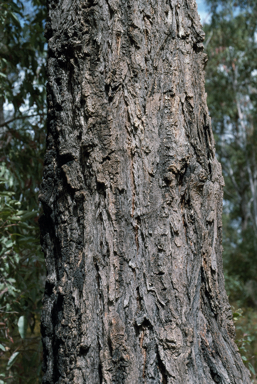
[[132, 197]]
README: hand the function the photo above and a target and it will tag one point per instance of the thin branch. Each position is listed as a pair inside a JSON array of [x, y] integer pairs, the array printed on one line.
[[20, 117], [209, 39], [230, 173]]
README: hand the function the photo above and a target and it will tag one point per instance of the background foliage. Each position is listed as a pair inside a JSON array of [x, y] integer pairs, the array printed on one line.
[[231, 83], [22, 138]]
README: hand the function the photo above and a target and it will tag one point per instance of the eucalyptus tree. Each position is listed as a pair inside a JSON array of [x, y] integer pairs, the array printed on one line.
[[132, 198], [232, 89]]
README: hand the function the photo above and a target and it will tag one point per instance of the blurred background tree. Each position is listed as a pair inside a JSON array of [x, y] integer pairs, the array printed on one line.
[[22, 141], [231, 83]]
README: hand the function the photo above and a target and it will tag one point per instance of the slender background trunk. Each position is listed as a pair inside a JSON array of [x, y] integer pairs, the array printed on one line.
[[132, 197]]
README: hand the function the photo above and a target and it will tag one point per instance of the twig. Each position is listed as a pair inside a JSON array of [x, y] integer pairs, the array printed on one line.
[[20, 117]]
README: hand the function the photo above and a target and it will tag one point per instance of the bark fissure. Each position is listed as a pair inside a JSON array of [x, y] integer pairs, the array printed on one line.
[[162, 369]]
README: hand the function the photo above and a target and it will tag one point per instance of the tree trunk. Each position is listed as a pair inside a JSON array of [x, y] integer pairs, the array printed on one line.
[[132, 197]]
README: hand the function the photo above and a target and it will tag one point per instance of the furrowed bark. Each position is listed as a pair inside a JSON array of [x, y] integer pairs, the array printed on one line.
[[132, 197]]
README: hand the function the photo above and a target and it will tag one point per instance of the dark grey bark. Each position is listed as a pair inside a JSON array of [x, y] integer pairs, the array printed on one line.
[[132, 197]]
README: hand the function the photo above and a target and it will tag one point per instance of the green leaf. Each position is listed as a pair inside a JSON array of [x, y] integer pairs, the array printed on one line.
[[12, 360], [15, 17], [251, 368], [9, 244], [11, 280], [2, 347], [28, 215], [22, 326]]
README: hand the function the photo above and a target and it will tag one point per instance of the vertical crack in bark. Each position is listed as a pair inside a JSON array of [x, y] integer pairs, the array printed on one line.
[[162, 369], [143, 351], [138, 298], [100, 370], [136, 225], [97, 278], [133, 192], [136, 232]]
